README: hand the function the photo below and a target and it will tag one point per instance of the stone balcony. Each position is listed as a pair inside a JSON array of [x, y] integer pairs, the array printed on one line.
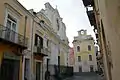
[[9, 36]]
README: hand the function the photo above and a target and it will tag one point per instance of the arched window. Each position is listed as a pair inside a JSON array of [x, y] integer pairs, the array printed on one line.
[[79, 58], [89, 48], [47, 43], [58, 24], [78, 48], [90, 57]]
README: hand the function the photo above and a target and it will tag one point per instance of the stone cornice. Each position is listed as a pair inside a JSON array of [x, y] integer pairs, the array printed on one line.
[[20, 5]]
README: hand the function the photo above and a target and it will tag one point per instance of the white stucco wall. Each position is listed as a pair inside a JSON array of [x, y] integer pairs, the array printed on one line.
[[54, 54], [53, 15]]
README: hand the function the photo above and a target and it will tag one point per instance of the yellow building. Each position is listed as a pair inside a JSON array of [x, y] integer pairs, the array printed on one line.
[[84, 53], [15, 27]]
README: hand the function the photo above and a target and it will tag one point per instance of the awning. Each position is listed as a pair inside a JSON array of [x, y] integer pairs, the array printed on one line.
[[91, 17]]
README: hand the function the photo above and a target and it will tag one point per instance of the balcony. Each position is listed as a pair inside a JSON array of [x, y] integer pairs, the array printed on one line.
[[9, 36], [38, 50], [91, 17], [88, 3], [47, 51], [41, 51]]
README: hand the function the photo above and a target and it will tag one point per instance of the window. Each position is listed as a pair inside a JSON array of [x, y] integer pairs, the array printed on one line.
[[58, 60], [58, 24], [89, 48], [48, 63], [41, 21], [11, 25], [47, 43], [79, 58], [78, 48], [38, 41], [90, 57]]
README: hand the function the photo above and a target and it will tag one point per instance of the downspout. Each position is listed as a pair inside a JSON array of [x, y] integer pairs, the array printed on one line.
[[23, 60], [32, 56], [59, 59], [24, 35], [25, 28]]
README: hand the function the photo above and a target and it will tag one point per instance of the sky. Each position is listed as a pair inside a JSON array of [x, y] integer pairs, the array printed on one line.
[[73, 13]]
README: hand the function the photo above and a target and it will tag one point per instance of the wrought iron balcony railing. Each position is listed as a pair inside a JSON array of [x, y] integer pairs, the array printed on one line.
[[42, 50], [38, 49], [47, 51], [8, 35]]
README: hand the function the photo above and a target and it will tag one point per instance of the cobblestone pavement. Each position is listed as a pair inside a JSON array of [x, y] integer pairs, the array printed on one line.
[[85, 77]]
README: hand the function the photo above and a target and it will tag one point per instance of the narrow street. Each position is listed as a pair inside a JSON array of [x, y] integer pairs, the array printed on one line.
[[59, 40], [85, 76]]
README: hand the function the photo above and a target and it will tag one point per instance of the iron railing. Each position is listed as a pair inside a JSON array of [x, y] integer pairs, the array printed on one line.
[[46, 51], [42, 50], [12, 36], [38, 49], [60, 72]]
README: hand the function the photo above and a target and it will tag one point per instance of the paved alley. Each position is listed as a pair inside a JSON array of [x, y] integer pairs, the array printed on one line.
[[85, 76]]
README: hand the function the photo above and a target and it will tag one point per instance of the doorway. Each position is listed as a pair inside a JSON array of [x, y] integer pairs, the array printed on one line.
[[80, 68], [27, 69], [38, 70], [47, 63], [9, 69], [91, 68]]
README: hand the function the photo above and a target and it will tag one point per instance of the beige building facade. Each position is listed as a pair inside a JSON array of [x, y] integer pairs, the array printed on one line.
[[15, 28], [105, 18]]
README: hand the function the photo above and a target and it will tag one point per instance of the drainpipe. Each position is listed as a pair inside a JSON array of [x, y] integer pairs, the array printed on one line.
[[59, 60], [32, 57], [25, 28], [23, 60]]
